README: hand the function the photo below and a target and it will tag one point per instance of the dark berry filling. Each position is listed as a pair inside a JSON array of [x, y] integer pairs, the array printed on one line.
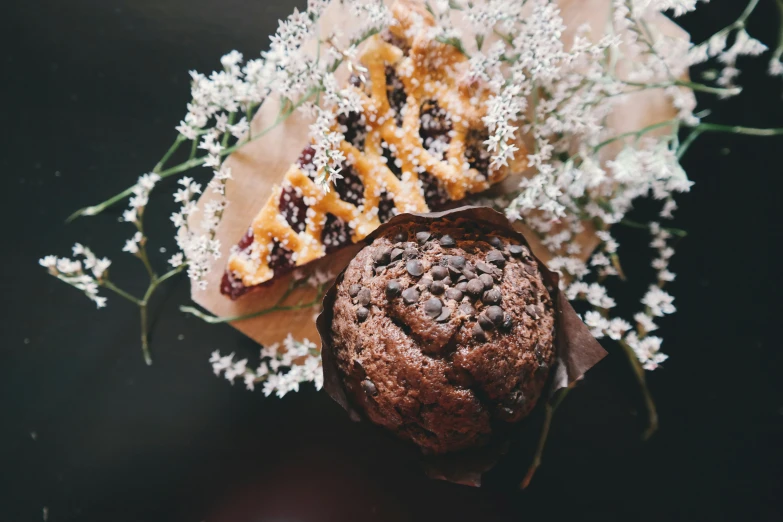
[[391, 38], [306, 157], [434, 194], [476, 151], [246, 240], [350, 186], [280, 260], [293, 208], [395, 92], [385, 208], [336, 233], [435, 123], [354, 128], [391, 160], [231, 286]]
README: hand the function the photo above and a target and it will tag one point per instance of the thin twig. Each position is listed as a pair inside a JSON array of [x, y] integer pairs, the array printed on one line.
[[192, 163], [652, 413], [549, 412], [277, 307]]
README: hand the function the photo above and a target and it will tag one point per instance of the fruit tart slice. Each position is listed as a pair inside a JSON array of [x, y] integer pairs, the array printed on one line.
[[416, 146]]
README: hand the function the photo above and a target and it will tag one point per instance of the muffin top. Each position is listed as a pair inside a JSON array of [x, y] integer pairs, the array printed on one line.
[[443, 333]]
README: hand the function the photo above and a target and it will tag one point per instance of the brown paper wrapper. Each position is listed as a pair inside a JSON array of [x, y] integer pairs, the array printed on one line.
[[576, 349], [262, 163]]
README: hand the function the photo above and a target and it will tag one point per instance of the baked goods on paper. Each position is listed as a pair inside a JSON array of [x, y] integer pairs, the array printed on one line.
[[261, 165], [417, 145]]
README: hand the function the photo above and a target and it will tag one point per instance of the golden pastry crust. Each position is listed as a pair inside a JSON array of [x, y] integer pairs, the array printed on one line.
[[434, 76]]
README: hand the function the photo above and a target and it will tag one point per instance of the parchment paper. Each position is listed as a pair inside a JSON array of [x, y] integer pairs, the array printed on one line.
[[259, 165]]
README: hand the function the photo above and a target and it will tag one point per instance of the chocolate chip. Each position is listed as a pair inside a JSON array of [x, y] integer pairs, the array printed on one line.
[[470, 274], [453, 293], [467, 309], [362, 314], [411, 252], [455, 273], [495, 314], [437, 287], [382, 256], [457, 262], [425, 282], [439, 272], [518, 250], [475, 287], [393, 289], [478, 333], [531, 311], [462, 286], [364, 296], [444, 315], [485, 322], [530, 269], [496, 258], [414, 267], [433, 307], [396, 253], [369, 388], [487, 280], [410, 295], [422, 237], [379, 270], [508, 322], [401, 236], [495, 242], [447, 241], [353, 291], [491, 297], [484, 267], [392, 264]]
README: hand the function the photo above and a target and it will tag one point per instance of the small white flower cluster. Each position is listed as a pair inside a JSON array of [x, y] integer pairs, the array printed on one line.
[[282, 368], [328, 158], [717, 48], [74, 271], [199, 249], [140, 198], [136, 205]]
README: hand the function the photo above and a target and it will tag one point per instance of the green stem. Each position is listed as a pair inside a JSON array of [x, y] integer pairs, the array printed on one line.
[[730, 129], [739, 23], [779, 49], [145, 343], [652, 413], [549, 412], [195, 162], [637, 133], [119, 291], [172, 150], [635, 224], [278, 307]]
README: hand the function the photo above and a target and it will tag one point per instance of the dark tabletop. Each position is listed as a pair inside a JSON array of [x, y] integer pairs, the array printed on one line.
[[92, 91]]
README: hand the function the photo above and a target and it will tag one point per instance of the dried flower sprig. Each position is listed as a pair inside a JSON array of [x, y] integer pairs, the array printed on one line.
[[281, 370]]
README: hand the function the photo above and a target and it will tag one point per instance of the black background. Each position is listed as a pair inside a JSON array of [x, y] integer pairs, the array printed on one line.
[[92, 91]]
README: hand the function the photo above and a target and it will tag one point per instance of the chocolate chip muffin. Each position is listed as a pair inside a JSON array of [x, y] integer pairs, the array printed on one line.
[[444, 334]]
